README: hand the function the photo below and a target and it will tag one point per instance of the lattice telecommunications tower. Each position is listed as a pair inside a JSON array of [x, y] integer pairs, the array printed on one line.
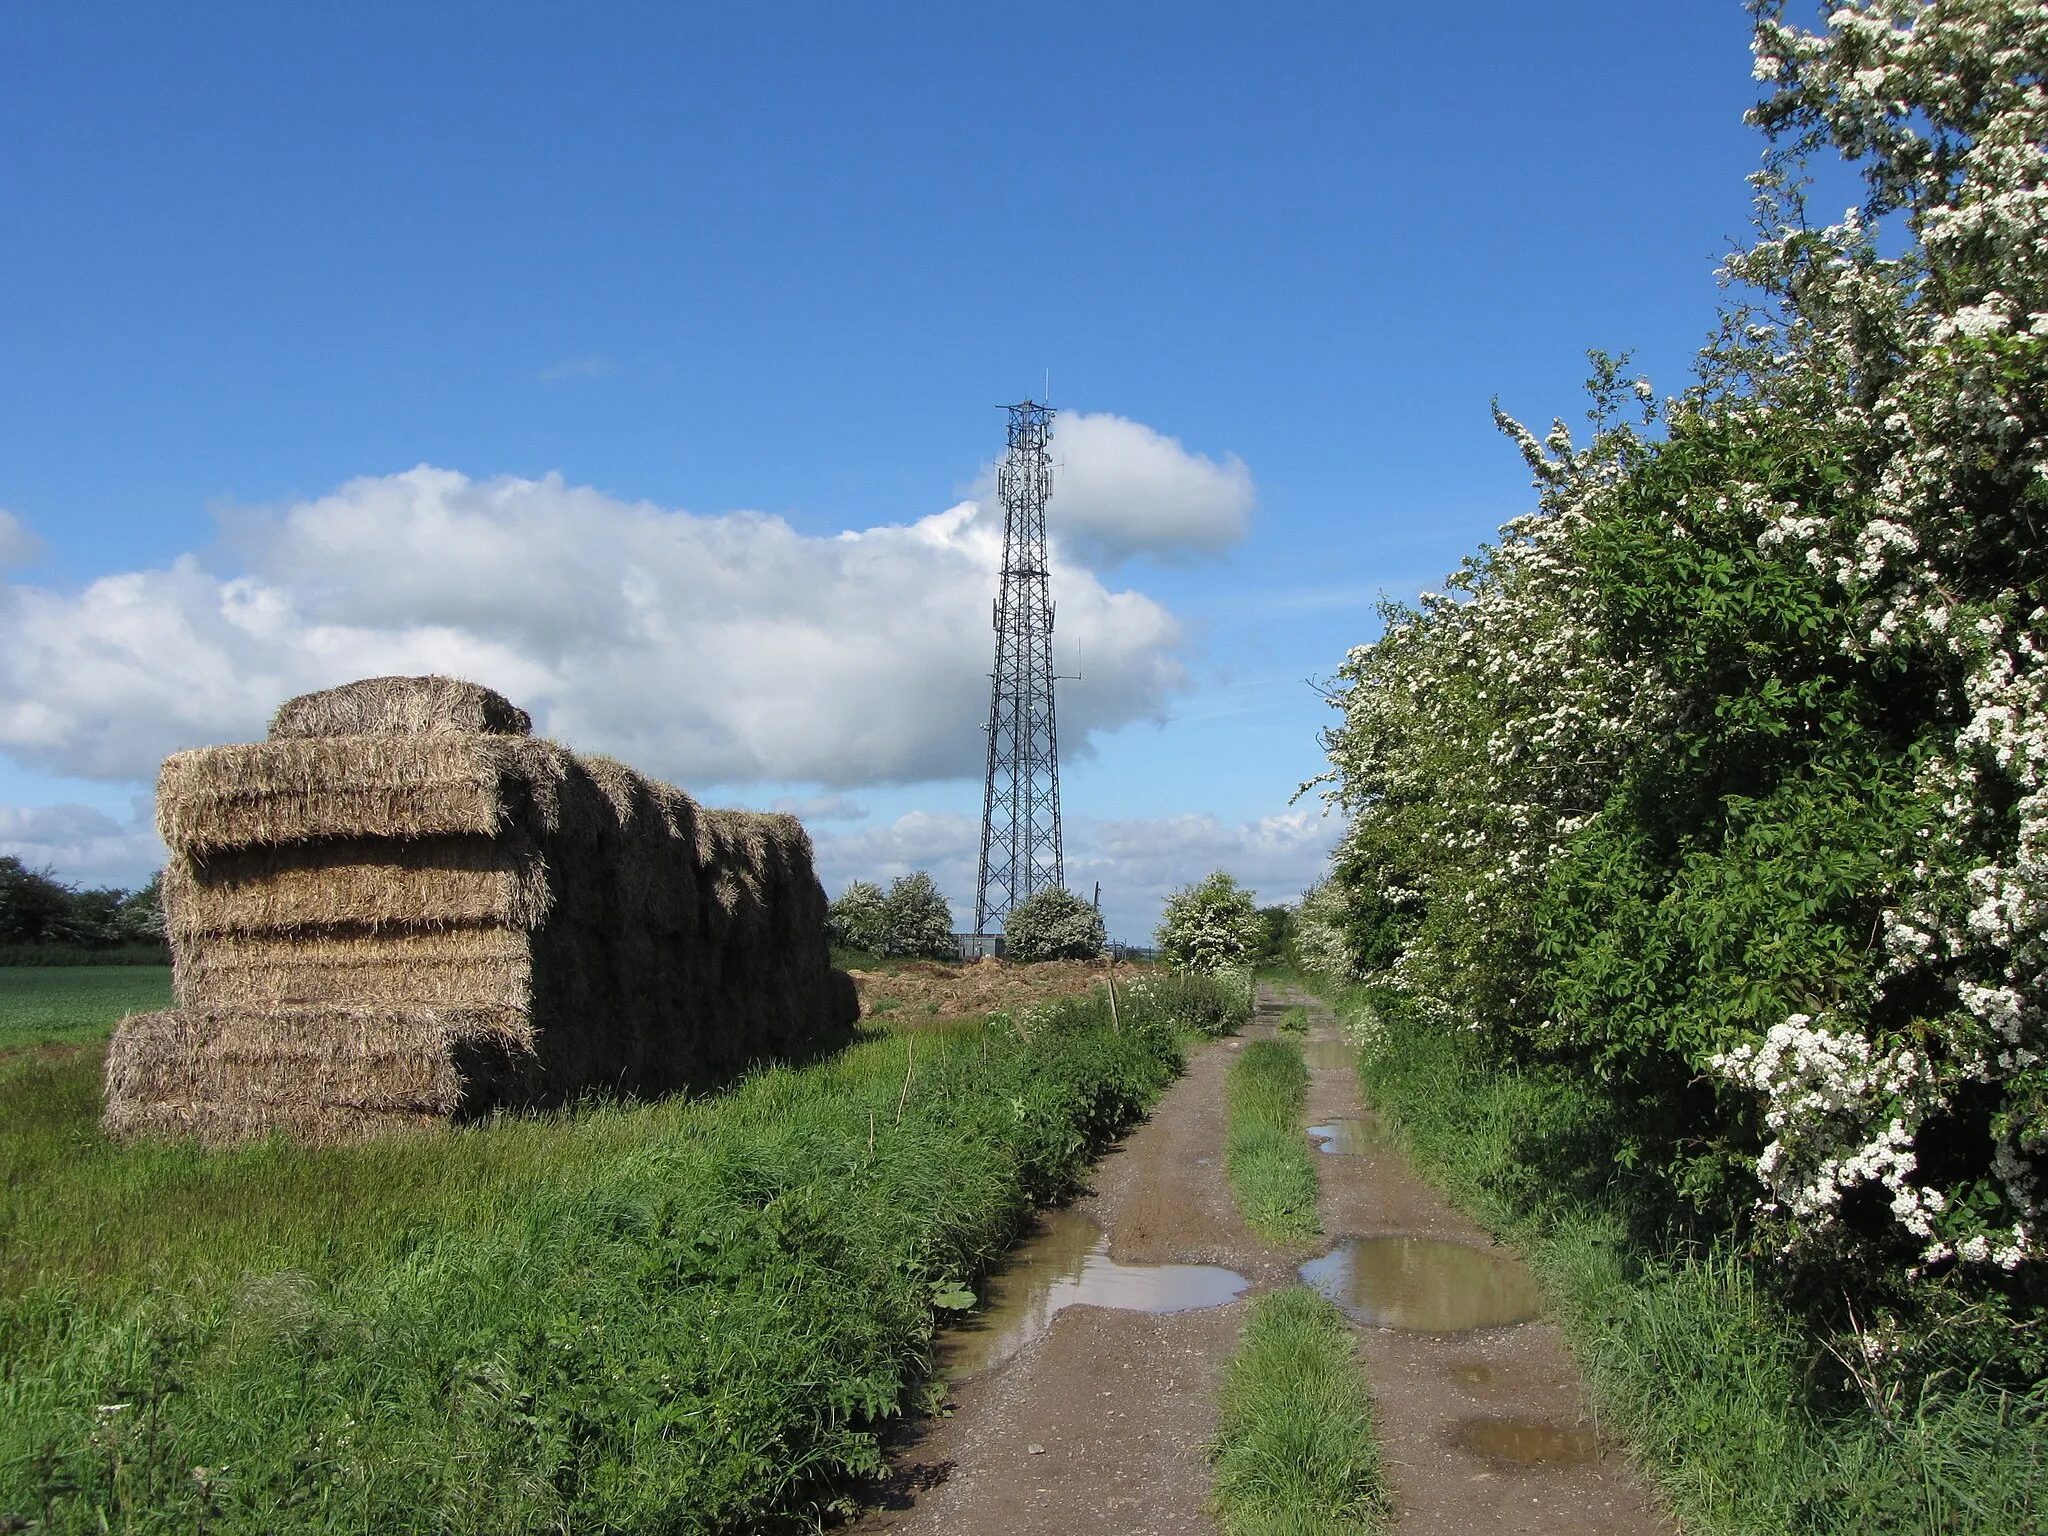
[[1020, 808]]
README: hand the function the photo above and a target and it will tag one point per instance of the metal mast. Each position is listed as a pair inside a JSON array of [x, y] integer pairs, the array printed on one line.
[[1020, 808]]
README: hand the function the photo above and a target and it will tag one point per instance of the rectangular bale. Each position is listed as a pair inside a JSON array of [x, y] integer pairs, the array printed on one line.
[[394, 927], [358, 883]]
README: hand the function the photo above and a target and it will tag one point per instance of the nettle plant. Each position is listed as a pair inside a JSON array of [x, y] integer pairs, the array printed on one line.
[[1722, 780]]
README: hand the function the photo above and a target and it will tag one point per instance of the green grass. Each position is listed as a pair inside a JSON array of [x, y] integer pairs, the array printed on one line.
[[71, 956], [683, 1316], [1296, 1454], [1295, 1021], [1266, 1151], [1746, 1425], [73, 1004]]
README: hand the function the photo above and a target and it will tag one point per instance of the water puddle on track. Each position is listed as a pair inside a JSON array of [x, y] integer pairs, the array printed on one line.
[[1329, 1055], [1527, 1442], [1066, 1263], [1421, 1285], [1347, 1138]]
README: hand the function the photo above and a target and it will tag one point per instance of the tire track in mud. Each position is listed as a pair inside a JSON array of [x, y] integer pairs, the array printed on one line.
[[1488, 1430], [1101, 1425]]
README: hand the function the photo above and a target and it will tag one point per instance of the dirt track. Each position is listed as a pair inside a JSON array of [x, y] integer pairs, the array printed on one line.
[[1100, 1426]]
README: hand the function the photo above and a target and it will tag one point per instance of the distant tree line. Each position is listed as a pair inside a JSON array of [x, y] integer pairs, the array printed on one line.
[[1214, 923], [40, 913]]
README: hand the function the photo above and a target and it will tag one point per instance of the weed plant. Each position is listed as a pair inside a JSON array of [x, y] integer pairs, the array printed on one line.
[[1272, 1172], [683, 1316], [1746, 1425], [1208, 1004], [1295, 1453]]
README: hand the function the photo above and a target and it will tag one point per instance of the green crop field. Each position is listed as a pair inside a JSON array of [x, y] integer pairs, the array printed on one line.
[[74, 1004]]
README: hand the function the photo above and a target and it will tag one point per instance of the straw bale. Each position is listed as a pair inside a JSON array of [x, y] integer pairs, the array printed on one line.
[[322, 1074], [476, 967], [358, 883], [355, 916], [400, 705], [346, 786]]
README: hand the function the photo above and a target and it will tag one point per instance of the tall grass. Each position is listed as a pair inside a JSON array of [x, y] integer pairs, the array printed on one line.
[[1746, 1425], [686, 1316], [1295, 1451], [1214, 1005], [1266, 1152]]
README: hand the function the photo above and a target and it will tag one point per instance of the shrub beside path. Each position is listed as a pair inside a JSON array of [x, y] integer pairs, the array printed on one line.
[[1102, 1425]]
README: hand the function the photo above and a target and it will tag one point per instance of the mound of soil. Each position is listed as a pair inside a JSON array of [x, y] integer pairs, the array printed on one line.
[[927, 989]]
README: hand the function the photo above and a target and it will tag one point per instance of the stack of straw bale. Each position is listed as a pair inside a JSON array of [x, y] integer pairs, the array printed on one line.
[[402, 909]]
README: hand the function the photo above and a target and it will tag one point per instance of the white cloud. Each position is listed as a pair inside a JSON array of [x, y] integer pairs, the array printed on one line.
[[1138, 860], [702, 648], [83, 845], [18, 543], [1122, 489], [820, 808]]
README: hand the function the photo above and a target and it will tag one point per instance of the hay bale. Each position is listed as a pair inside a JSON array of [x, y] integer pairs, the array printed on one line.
[[358, 883], [412, 706], [278, 793], [479, 966], [321, 1075], [427, 915]]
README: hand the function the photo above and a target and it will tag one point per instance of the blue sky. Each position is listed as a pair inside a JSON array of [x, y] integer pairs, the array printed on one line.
[[789, 260]]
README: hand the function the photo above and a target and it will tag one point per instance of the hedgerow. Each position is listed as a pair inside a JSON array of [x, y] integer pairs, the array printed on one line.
[[1720, 783]]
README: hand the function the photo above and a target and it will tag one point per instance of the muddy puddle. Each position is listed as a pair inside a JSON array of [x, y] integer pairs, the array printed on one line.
[[1065, 1263], [1527, 1442], [1329, 1055], [1347, 1138], [1421, 1285]]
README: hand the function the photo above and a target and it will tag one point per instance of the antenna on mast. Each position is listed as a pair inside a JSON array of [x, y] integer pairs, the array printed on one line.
[[1021, 846]]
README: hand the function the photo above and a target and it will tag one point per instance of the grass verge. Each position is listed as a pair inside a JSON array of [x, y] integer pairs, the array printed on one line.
[[1272, 1172], [1296, 1454], [684, 1316], [1745, 1425]]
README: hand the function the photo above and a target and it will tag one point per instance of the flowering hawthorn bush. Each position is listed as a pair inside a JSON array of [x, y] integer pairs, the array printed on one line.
[[1721, 781], [859, 918], [916, 921], [1053, 924], [1210, 926]]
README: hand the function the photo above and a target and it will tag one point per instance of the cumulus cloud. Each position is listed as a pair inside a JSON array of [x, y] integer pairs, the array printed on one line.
[[725, 648], [18, 543], [1138, 860], [820, 808], [83, 845], [1122, 489]]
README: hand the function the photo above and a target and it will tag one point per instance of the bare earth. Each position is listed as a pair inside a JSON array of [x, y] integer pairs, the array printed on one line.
[[1101, 1425], [927, 989]]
